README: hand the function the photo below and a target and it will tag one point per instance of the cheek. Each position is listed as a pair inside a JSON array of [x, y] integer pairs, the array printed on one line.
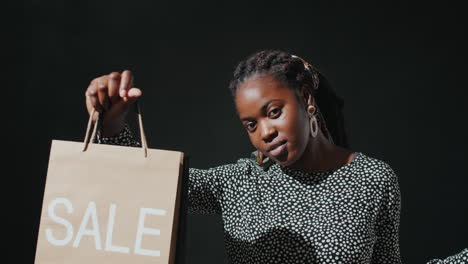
[[253, 141], [298, 128], [298, 133]]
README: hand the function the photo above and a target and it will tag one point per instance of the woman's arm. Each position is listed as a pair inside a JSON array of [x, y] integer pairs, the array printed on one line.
[[386, 247], [205, 186]]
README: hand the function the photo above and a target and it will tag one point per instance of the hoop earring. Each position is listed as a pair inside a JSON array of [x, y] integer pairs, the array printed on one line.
[[313, 120]]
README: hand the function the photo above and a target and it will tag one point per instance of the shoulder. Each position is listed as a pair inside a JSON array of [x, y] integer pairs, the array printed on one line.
[[376, 166], [376, 172]]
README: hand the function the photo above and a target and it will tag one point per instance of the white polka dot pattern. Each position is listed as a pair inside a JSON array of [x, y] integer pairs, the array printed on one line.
[[124, 138], [282, 215]]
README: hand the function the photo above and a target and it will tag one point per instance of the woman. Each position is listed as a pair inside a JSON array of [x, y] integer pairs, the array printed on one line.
[[303, 196]]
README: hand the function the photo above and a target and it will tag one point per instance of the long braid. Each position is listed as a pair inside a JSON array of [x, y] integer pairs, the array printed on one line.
[[331, 106], [292, 70]]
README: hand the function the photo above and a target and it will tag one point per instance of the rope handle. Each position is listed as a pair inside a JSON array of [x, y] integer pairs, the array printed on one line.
[[88, 140]]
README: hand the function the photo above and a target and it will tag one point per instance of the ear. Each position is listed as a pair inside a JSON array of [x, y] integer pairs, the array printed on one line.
[[306, 96]]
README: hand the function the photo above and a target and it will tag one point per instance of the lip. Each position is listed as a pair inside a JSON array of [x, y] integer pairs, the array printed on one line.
[[277, 148]]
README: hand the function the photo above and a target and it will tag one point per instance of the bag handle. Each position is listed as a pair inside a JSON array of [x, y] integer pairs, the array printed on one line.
[[88, 140]]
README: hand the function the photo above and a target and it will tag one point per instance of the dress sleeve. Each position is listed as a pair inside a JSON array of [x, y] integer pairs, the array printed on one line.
[[205, 187], [204, 191], [459, 258], [386, 247], [211, 189]]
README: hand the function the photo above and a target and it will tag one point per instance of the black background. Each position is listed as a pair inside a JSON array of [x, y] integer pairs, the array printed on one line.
[[400, 67]]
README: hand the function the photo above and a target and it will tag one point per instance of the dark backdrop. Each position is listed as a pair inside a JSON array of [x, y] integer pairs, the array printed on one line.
[[401, 68]]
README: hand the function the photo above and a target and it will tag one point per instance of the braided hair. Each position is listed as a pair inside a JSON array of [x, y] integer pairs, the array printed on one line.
[[298, 74]]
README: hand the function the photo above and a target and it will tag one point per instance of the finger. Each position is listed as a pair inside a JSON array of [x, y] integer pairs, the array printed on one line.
[[92, 97], [102, 91], [125, 83], [94, 102], [89, 106], [113, 86]]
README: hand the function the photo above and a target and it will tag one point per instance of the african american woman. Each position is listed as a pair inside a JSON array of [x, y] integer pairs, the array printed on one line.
[[303, 196]]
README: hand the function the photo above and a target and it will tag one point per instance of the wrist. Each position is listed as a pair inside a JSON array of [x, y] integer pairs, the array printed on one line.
[[110, 129]]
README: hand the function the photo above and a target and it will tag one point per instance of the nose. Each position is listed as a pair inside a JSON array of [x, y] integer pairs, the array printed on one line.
[[268, 132]]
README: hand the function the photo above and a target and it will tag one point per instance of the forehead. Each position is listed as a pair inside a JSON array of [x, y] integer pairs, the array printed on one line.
[[254, 92]]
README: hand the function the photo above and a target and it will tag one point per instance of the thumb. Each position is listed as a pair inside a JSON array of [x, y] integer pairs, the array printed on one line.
[[134, 93], [124, 104]]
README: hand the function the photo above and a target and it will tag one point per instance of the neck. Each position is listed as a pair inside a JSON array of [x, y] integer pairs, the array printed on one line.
[[321, 155]]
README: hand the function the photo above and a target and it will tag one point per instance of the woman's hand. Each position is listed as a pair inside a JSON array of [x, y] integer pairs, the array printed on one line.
[[113, 94]]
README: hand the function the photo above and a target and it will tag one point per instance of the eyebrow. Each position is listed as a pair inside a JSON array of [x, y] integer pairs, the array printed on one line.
[[262, 109]]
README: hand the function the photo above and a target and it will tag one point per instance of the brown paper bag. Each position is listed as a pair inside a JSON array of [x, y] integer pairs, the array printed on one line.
[[112, 204]]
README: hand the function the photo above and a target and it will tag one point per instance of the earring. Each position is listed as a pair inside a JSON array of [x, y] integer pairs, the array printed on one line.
[[313, 119], [259, 158]]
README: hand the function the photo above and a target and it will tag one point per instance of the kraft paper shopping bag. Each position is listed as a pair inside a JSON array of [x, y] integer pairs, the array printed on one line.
[[112, 204]]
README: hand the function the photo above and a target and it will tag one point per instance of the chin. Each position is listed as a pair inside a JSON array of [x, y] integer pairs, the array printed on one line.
[[286, 159]]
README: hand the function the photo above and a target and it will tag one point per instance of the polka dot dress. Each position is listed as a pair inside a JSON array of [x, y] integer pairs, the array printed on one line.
[[282, 215]]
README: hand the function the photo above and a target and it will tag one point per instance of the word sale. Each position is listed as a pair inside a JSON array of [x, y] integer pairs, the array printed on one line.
[[90, 217]]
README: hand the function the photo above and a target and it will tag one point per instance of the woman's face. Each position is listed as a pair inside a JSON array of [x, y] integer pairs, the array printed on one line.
[[272, 115]]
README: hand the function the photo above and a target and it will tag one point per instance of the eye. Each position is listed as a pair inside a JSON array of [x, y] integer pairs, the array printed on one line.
[[250, 126], [275, 112]]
